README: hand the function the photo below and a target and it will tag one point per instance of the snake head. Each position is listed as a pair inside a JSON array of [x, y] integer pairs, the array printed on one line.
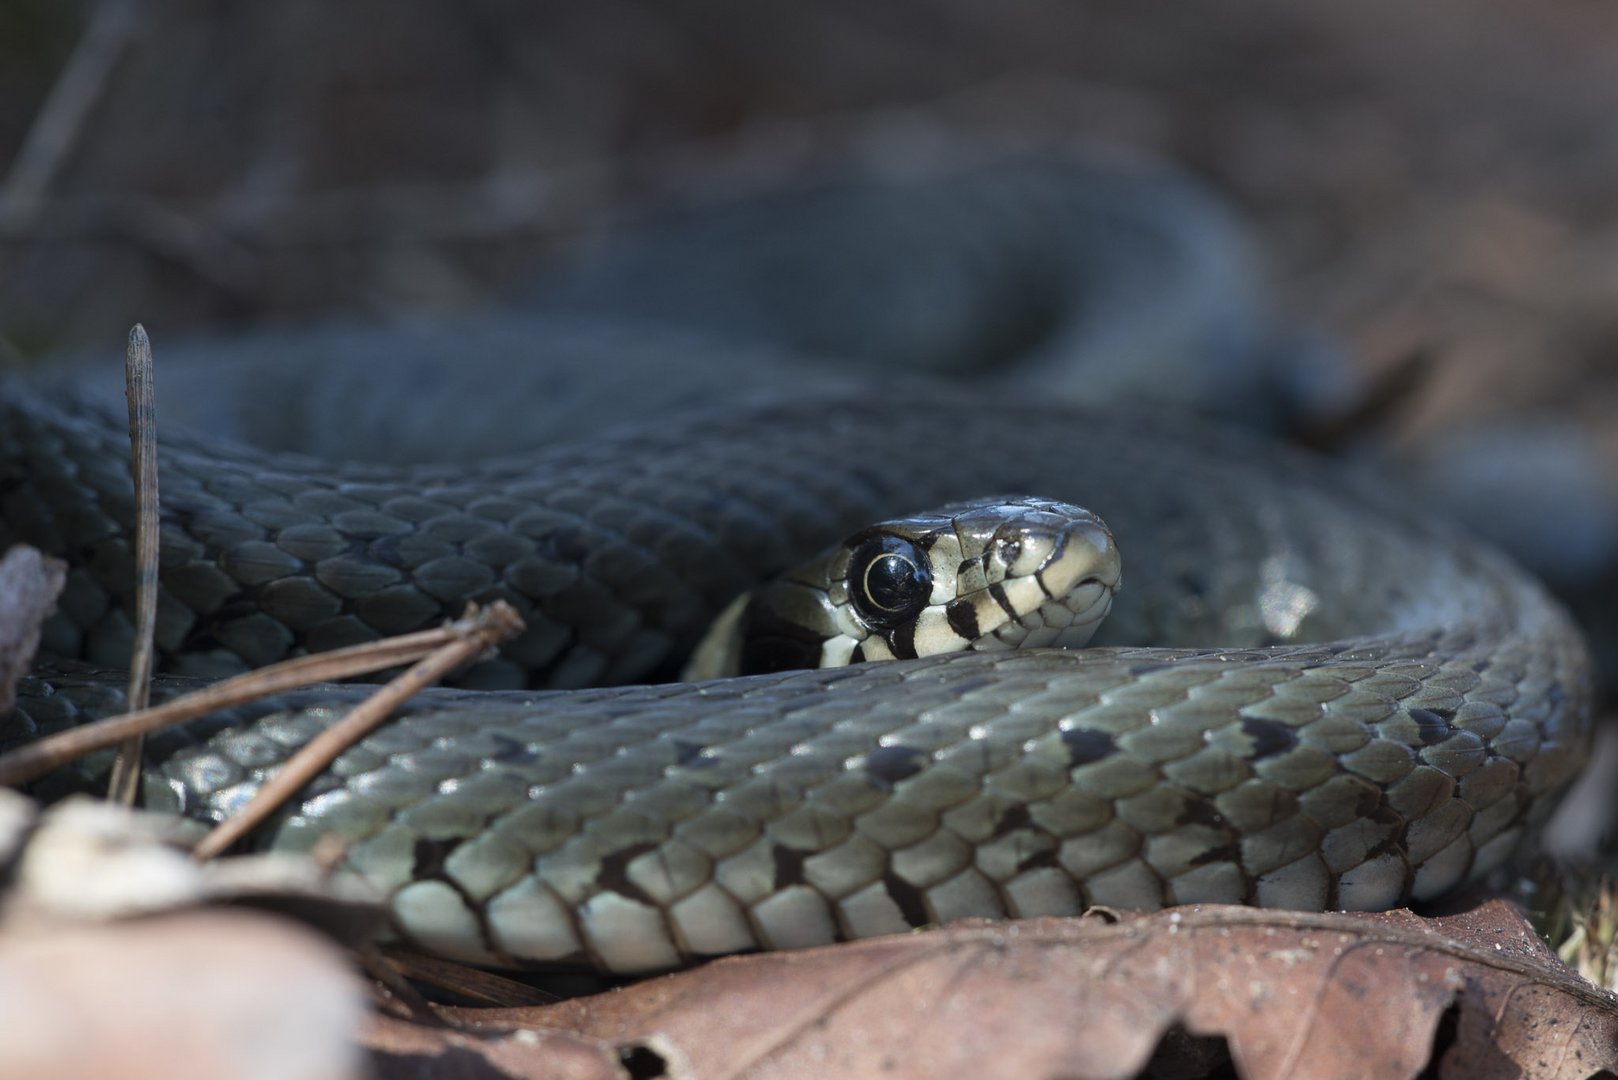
[[997, 573]]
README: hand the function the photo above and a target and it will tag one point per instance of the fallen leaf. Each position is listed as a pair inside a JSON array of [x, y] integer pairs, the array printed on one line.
[[29, 585], [402, 1050], [1293, 994], [203, 995]]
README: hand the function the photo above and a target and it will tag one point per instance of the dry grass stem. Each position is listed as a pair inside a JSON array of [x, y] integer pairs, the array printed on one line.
[[124, 783], [482, 629], [483, 987], [30, 762], [1591, 947], [391, 990]]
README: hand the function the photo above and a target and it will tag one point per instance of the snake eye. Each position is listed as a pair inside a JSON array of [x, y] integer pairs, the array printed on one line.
[[889, 581]]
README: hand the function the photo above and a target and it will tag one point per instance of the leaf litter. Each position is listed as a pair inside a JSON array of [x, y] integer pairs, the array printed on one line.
[[1110, 996]]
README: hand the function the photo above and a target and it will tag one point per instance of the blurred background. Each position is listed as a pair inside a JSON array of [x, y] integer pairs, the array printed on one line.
[[1430, 180], [1436, 176]]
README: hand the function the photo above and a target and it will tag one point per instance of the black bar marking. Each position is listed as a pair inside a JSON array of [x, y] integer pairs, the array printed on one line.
[[902, 640], [963, 619]]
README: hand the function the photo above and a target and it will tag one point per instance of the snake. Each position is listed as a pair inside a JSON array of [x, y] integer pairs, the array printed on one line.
[[1311, 692]]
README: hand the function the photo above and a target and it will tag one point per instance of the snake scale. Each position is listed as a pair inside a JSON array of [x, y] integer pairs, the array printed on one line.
[[1308, 694]]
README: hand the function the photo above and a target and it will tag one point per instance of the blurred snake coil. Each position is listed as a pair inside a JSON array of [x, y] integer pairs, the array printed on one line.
[[1309, 694]]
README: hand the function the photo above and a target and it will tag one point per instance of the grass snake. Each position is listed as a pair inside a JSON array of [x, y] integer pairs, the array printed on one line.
[[1308, 694]]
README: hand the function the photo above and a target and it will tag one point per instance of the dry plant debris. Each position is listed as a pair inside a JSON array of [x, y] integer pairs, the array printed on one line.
[[32, 761], [108, 964], [83, 861], [169, 989], [123, 784], [197, 996], [1583, 920], [29, 584], [1293, 995]]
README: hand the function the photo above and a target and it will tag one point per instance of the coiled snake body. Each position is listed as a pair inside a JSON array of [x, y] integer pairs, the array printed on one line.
[[1308, 695]]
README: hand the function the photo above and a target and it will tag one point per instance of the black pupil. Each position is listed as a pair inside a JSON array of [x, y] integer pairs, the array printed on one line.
[[894, 583]]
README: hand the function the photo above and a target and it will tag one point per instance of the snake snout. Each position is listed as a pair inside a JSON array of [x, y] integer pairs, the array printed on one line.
[[1006, 572], [1059, 586]]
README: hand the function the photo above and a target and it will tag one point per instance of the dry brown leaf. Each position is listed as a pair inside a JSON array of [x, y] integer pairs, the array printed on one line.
[[204, 995], [402, 1050], [1295, 995], [29, 585]]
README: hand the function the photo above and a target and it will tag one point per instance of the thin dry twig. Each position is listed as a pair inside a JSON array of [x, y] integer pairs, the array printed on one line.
[[392, 992], [60, 122], [30, 762], [486, 629], [139, 389]]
